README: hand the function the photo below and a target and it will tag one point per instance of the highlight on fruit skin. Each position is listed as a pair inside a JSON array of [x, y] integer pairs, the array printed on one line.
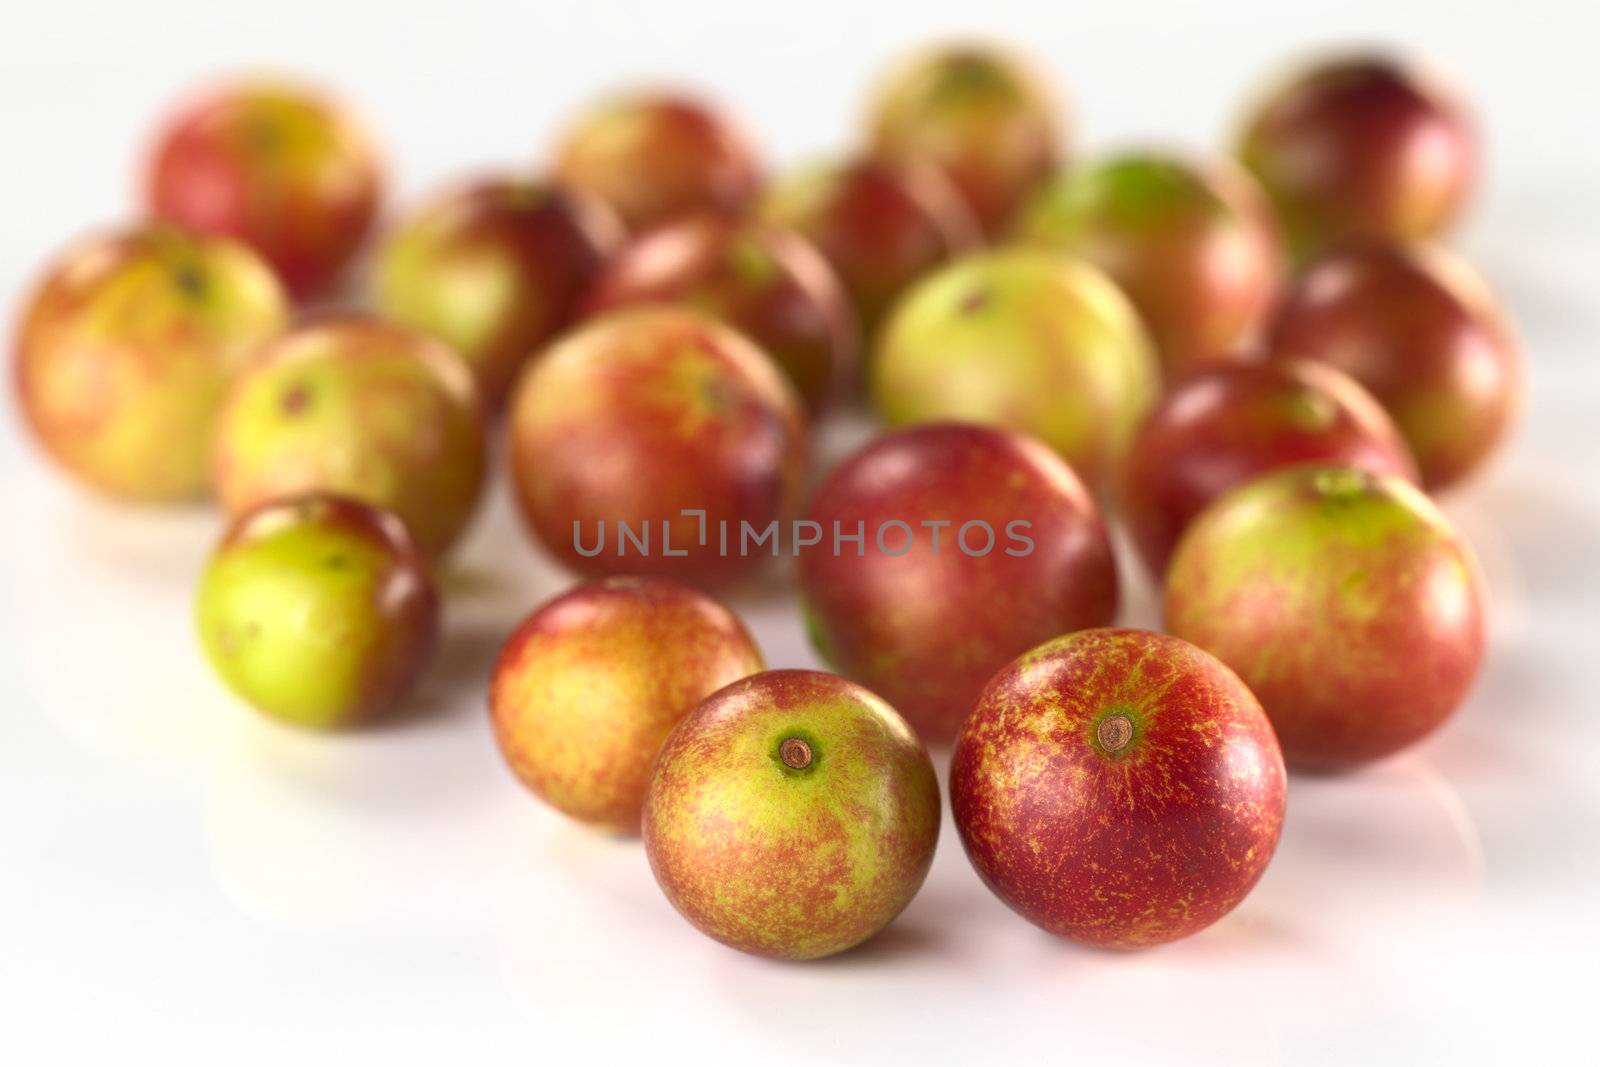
[[1024, 338], [792, 814], [1418, 327], [318, 610], [1121, 788], [357, 406], [880, 225], [1344, 599], [126, 349], [590, 684], [766, 282], [1224, 425], [1364, 145], [656, 155], [980, 543], [277, 163], [1192, 242], [662, 421], [494, 267], [980, 113]]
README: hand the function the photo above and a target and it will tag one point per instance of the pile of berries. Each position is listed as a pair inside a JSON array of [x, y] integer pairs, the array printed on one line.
[[1260, 363]]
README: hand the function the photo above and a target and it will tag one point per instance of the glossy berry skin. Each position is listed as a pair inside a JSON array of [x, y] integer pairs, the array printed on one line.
[[926, 625], [1362, 146], [792, 814], [1222, 426], [318, 610], [641, 414], [1417, 327], [126, 348], [357, 406], [1343, 599], [1118, 787], [1027, 339], [1192, 244], [494, 268], [880, 226], [280, 165], [657, 156], [767, 283], [980, 115], [592, 682]]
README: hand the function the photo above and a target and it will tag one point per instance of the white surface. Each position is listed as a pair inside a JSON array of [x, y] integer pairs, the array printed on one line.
[[181, 881]]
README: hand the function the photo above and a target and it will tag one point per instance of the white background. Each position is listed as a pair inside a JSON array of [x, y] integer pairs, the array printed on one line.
[[182, 881]]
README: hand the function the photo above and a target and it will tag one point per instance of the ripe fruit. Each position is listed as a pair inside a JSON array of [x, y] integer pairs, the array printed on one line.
[[1418, 328], [645, 440], [360, 407], [1027, 339], [1118, 787], [277, 164], [494, 268], [1223, 426], [766, 283], [879, 225], [590, 685], [792, 814], [979, 114], [657, 156], [1343, 599], [1193, 246], [1022, 556], [126, 348], [318, 610], [1361, 146]]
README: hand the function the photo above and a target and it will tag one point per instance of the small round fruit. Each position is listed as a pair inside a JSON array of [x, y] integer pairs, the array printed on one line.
[[278, 164], [1361, 146], [768, 284], [792, 814], [1027, 339], [1118, 787], [590, 685], [360, 407], [1418, 328], [1192, 245], [1343, 599], [879, 225], [657, 156], [318, 610], [639, 439], [978, 544], [125, 351], [978, 113], [1223, 426], [494, 268]]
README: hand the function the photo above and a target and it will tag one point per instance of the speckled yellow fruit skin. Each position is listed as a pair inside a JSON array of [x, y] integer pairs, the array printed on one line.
[[495, 268], [1027, 339], [319, 611], [125, 351], [980, 114], [782, 862], [361, 407], [1343, 598], [1119, 840], [590, 685], [1191, 242], [276, 163], [659, 156]]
